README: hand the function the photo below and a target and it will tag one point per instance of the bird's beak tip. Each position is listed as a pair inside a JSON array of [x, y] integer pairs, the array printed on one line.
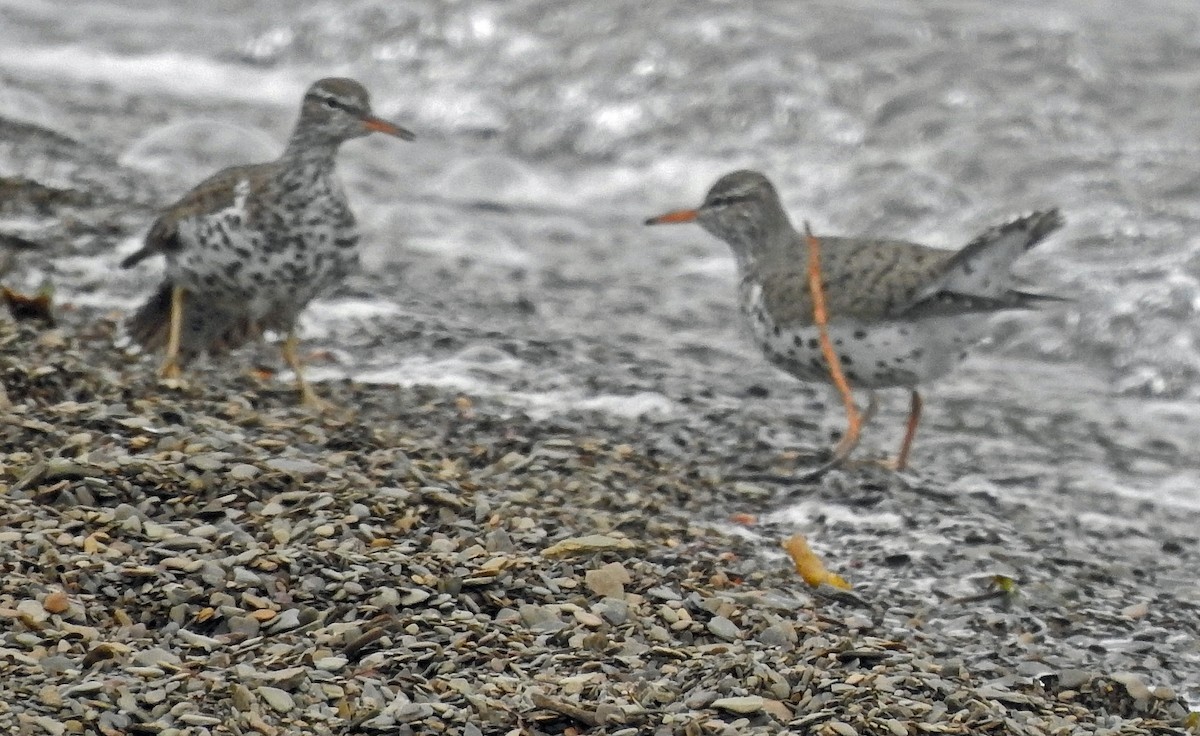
[[376, 125], [673, 217]]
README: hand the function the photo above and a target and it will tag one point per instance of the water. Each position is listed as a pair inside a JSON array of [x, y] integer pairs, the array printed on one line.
[[549, 130]]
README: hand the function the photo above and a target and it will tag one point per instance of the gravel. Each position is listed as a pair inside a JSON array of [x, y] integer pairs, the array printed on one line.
[[212, 559]]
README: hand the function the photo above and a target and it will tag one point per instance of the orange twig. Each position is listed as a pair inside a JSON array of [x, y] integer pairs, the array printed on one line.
[[821, 318]]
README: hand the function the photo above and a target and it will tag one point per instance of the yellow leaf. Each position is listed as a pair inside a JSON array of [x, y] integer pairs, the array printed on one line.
[[1005, 584], [810, 566]]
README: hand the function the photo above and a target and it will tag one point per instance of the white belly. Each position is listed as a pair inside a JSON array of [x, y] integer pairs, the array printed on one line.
[[873, 355]]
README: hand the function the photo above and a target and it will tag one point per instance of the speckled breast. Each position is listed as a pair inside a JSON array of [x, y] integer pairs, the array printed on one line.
[[873, 355], [304, 251]]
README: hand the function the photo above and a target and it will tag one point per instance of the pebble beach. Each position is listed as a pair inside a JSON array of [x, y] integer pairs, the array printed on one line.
[[541, 507], [206, 558]]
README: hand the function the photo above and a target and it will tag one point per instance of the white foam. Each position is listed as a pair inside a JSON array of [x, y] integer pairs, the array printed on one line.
[[158, 73], [324, 317], [626, 406], [807, 513], [488, 372], [469, 241]]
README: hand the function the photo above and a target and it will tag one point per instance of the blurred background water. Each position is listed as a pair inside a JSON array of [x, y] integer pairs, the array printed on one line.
[[549, 130]]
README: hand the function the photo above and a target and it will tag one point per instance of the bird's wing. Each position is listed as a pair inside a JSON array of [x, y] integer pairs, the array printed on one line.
[[212, 195], [863, 279]]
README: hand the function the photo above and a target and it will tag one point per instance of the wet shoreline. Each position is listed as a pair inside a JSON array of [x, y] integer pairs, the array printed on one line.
[[220, 530], [530, 366]]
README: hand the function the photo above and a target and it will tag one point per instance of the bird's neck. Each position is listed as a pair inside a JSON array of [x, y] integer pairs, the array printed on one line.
[[307, 149], [750, 244]]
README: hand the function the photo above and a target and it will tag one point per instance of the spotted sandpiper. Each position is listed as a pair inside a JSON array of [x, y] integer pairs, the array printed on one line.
[[250, 246], [899, 314]]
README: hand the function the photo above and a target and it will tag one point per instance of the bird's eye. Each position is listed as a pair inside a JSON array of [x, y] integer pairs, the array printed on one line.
[[330, 103]]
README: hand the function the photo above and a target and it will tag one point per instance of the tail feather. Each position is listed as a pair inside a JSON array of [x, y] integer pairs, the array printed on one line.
[[149, 324], [1030, 300], [135, 258], [211, 330], [953, 304], [982, 267]]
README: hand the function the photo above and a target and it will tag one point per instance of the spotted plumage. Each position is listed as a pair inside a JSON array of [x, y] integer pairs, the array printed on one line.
[[900, 314], [249, 247]]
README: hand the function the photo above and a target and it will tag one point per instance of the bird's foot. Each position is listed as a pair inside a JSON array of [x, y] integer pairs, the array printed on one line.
[[894, 464], [314, 403], [171, 376]]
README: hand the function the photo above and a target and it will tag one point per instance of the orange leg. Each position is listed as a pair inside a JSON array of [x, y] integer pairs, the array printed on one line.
[[910, 432], [170, 368], [821, 317], [308, 397]]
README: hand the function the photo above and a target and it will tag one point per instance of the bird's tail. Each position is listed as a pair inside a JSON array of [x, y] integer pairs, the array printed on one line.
[[213, 330], [148, 326], [982, 267]]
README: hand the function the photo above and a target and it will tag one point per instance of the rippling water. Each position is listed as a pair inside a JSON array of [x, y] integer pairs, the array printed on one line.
[[549, 130]]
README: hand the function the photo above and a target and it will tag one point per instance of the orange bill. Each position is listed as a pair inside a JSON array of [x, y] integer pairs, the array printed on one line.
[[673, 217], [375, 125]]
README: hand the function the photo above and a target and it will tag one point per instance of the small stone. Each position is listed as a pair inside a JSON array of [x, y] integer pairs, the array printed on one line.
[[778, 710], [778, 635], [243, 472], [279, 700], [290, 678], [50, 696], [614, 610], [743, 704], [242, 700], [412, 712], [664, 593], [589, 544], [590, 620], [608, 581], [296, 466], [207, 461], [498, 540], [56, 602], [724, 628], [842, 729], [1134, 685], [50, 726], [413, 596], [32, 610], [1162, 692], [287, 619]]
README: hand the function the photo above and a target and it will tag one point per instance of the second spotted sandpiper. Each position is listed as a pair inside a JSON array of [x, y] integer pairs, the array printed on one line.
[[250, 246], [899, 314]]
